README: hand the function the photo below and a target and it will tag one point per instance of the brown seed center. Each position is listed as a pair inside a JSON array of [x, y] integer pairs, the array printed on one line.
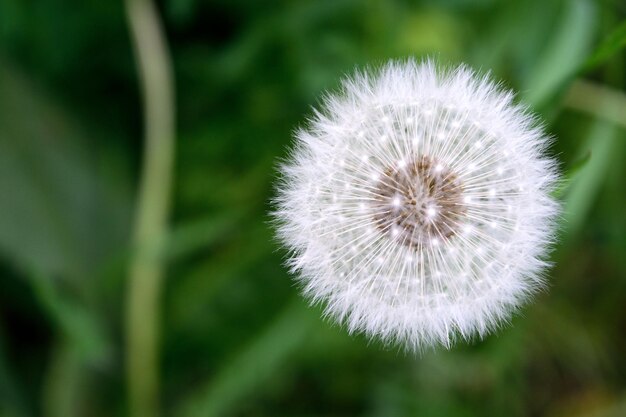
[[419, 203]]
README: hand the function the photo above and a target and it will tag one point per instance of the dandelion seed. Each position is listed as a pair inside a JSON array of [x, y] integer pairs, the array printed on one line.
[[412, 253]]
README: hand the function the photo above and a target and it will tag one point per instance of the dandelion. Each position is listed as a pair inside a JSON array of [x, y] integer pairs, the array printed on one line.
[[416, 205]]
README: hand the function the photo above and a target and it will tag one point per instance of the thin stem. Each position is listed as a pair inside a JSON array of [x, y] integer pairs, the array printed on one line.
[[146, 268]]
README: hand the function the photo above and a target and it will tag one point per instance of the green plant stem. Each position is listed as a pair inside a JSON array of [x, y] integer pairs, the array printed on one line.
[[146, 268]]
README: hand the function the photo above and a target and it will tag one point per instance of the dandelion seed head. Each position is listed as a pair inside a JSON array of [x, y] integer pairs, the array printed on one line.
[[406, 199], [416, 205]]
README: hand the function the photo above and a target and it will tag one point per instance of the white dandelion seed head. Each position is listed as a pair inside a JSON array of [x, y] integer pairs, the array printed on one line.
[[443, 230]]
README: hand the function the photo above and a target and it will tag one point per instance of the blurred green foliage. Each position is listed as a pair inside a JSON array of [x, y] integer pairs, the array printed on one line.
[[237, 339]]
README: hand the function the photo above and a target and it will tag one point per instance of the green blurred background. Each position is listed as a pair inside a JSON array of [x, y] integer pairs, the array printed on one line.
[[236, 337]]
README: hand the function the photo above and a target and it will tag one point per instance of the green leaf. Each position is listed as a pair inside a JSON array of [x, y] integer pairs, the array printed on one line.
[[604, 144], [563, 54], [610, 46], [75, 322], [60, 216]]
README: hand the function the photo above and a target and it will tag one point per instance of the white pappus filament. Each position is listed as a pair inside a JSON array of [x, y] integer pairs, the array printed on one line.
[[416, 204]]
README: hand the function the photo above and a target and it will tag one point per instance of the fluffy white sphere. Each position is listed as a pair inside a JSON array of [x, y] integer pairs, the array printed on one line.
[[416, 204]]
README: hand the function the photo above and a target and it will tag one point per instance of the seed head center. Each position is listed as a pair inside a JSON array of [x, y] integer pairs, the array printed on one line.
[[419, 203]]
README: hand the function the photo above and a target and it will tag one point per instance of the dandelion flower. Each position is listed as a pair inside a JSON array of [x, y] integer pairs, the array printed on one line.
[[416, 205]]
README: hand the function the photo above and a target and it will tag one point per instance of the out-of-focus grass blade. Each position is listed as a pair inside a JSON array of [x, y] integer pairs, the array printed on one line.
[[76, 323], [59, 216], [193, 292], [604, 144], [198, 234], [597, 100], [571, 173], [610, 46], [507, 42], [81, 342], [563, 54], [251, 367]]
